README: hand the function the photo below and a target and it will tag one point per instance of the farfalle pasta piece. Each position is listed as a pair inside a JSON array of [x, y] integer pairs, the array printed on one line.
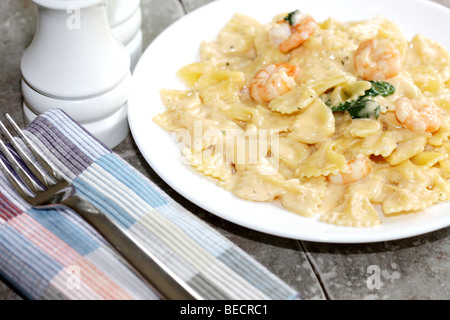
[[345, 145], [355, 211], [253, 186], [441, 136], [240, 112], [407, 148], [372, 188], [180, 100], [273, 120], [442, 187], [348, 91], [221, 84], [323, 162], [428, 55], [427, 79], [237, 37], [177, 102], [314, 125], [209, 163], [380, 144], [405, 173], [191, 73], [291, 152], [362, 128], [301, 199], [409, 187], [328, 80], [427, 178], [168, 120], [403, 200], [429, 158], [406, 170], [235, 44], [395, 145], [203, 134], [294, 100]]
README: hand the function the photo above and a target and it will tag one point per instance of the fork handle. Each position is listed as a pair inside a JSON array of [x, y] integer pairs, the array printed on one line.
[[168, 284]]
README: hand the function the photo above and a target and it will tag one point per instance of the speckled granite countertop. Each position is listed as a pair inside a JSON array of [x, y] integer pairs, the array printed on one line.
[[415, 268]]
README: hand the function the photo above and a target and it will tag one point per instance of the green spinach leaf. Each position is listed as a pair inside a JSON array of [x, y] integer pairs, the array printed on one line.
[[364, 107], [290, 17], [380, 88]]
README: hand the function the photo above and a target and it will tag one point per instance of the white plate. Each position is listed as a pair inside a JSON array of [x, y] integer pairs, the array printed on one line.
[[178, 45]]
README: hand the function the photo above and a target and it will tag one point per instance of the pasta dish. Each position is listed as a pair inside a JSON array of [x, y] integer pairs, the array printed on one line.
[[341, 120]]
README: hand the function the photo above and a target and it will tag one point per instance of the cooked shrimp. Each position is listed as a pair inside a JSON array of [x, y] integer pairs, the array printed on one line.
[[418, 115], [300, 32], [273, 81], [377, 60], [357, 169], [291, 35]]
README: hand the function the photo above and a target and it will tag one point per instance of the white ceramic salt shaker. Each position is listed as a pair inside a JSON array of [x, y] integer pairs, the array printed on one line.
[[74, 63], [125, 19]]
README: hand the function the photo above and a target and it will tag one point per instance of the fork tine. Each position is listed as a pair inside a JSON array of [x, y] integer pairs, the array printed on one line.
[[35, 151], [27, 179], [23, 191], [40, 175]]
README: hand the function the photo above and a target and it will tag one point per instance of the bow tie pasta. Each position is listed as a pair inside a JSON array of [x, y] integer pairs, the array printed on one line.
[[344, 121]]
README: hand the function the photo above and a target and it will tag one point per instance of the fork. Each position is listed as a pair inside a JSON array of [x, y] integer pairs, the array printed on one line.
[[43, 187]]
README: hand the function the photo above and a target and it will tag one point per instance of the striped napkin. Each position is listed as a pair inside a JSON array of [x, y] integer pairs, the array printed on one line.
[[54, 254]]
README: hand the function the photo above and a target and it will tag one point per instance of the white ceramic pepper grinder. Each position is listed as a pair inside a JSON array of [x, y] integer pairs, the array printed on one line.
[[74, 63], [125, 19]]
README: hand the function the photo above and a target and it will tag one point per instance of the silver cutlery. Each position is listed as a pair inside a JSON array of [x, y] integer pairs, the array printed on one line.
[[44, 187]]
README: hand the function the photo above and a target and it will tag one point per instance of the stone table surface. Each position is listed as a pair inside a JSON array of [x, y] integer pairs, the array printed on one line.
[[414, 268]]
